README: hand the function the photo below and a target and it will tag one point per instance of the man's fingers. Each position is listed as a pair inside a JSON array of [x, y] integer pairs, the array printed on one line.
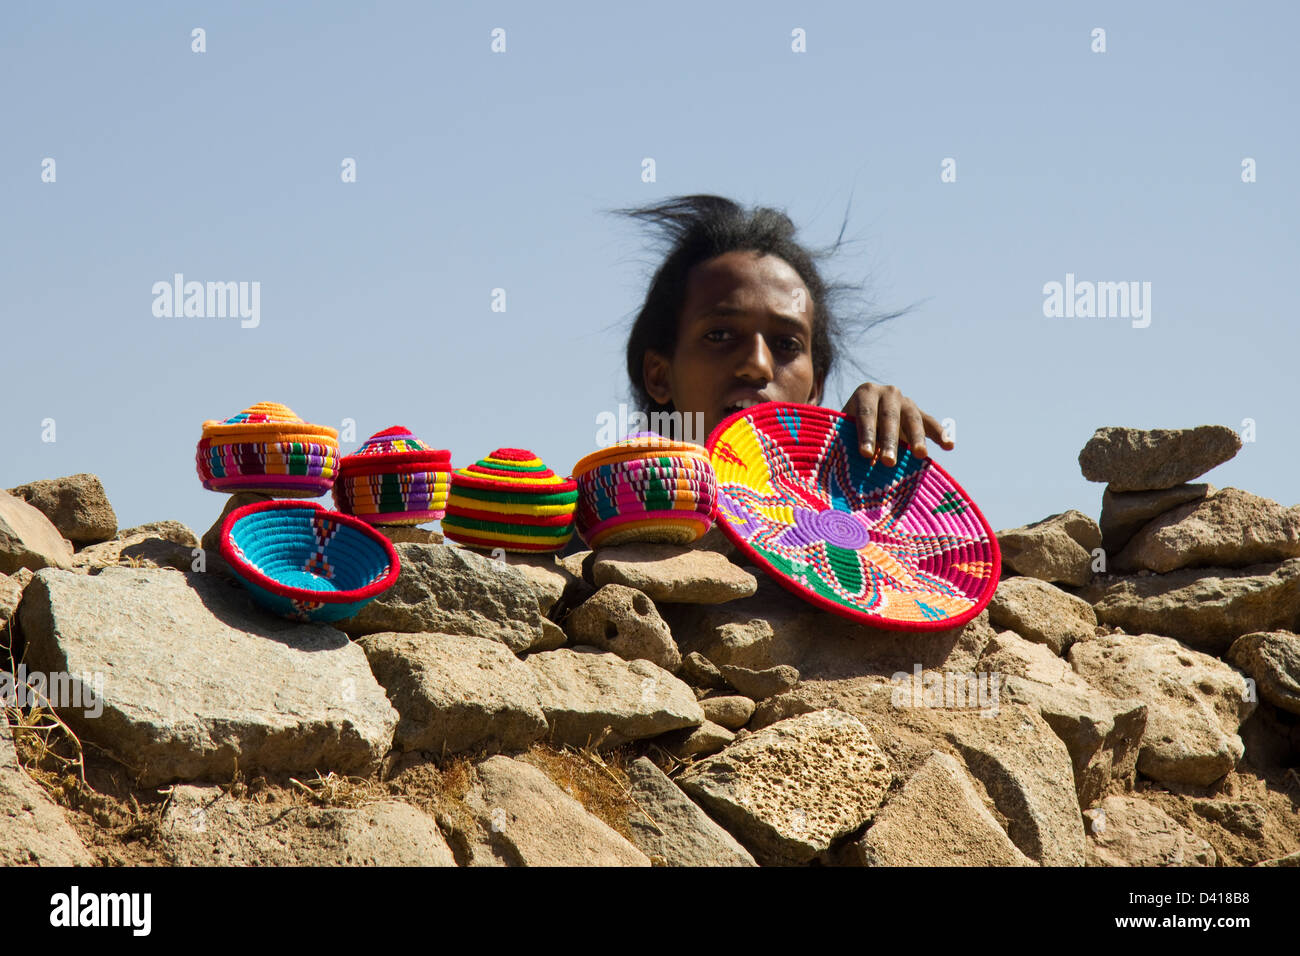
[[862, 407], [914, 429], [887, 419], [934, 429]]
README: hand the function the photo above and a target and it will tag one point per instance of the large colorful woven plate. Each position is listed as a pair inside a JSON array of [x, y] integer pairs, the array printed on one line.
[[900, 547]]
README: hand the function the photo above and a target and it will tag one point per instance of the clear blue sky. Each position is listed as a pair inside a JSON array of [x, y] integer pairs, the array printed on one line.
[[478, 170]]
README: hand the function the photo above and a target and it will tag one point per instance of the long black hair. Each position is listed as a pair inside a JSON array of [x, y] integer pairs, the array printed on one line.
[[698, 228]]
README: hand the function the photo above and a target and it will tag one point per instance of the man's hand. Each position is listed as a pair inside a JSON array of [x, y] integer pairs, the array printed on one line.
[[880, 410]]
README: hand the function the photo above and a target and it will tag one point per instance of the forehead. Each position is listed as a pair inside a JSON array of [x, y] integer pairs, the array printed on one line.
[[746, 280]]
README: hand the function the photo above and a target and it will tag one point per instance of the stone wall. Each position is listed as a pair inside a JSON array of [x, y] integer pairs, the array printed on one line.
[[1131, 696]]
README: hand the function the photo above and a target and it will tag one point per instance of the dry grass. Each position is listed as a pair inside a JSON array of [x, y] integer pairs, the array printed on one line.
[[597, 781]]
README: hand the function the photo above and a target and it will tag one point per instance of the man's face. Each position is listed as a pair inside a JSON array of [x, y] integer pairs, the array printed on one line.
[[744, 336]]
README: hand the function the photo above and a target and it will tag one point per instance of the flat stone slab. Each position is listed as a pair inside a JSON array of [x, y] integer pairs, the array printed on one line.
[[1195, 703], [33, 830], [673, 830], [444, 590], [202, 826], [584, 690], [519, 817], [666, 572], [1205, 608], [1124, 512], [1231, 529], [788, 791], [937, 819], [1135, 459], [196, 677], [456, 693]]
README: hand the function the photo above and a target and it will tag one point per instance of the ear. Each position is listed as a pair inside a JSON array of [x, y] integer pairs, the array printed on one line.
[[656, 378]]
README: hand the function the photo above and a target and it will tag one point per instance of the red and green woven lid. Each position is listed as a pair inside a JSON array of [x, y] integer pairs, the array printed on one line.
[[901, 547], [510, 500], [397, 450]]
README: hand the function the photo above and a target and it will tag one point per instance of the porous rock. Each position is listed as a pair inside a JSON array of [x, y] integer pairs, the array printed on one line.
[[623, 620], [789, 791], [1126, 831], [1195, 703]]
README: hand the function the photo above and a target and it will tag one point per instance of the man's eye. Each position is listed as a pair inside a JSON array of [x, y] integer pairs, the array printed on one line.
[[716, 335], [791, 344]]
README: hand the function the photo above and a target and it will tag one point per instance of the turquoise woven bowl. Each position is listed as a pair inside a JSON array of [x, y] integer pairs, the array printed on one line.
[[307, 563]]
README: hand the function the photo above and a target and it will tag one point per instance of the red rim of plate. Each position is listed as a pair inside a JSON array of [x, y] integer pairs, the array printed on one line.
[[325, 597], [838, 609]]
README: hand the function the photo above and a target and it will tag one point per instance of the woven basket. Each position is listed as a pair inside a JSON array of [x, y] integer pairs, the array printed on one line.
[[394, 479], [645, 488], [269, 449], [901, 547], [306, 563], [510, 500]]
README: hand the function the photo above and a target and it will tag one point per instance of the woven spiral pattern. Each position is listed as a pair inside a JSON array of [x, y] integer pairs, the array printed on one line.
[[394, 479], [268, 448], [510, 500], [645, 488], [902, 547], [306, 563]]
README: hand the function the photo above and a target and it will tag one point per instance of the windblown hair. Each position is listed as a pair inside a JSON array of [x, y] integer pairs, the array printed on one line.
[[697, 228]]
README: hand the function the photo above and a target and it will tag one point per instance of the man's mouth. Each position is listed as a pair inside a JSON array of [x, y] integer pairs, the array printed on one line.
[[741, 405]]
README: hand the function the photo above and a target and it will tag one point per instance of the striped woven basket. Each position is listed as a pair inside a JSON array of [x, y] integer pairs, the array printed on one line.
[[394, 479], [510, 500], [306, 563], [645, 488], [269, 449], [900, 547]]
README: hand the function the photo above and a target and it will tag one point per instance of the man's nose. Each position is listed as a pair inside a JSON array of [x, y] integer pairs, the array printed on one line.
[[756, 363]]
